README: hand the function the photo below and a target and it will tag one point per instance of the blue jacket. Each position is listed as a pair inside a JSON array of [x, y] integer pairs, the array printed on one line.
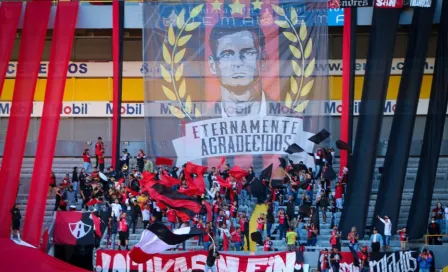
[[425, 263], [379, 239]]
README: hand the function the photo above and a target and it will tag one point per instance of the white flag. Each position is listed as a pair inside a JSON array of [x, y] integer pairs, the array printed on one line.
[[420, 3]]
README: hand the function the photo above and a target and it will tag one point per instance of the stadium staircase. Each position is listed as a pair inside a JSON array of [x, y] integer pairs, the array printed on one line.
[[62, 166]]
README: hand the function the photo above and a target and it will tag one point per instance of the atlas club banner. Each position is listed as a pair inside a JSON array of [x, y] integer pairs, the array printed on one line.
[[117, 261], [399, 261], [74, 228]]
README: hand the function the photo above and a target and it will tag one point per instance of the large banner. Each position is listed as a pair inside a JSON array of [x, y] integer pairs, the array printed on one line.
[[116, 261], [399, 261], [242, 56]]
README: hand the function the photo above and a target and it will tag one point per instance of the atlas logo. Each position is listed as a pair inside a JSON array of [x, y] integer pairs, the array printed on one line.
[[79, 229]]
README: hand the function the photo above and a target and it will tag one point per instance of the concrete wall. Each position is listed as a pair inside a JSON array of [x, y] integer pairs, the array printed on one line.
[[440, 255]]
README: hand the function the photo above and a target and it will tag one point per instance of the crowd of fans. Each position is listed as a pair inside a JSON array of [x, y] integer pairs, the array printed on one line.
[[294, 204], [119, 200]]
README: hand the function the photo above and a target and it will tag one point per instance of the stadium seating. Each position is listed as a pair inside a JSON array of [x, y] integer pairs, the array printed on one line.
[[61, 166]]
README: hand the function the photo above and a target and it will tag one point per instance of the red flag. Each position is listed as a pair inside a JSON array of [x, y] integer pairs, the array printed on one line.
[[209, 211], [161, 205], [147, 181], [237, 172], [120, 181], [196, 186], [168, 181], [223, 160], [129, 190], [93, 201], [164, 161], [225, 243], [96, 224], [222, 182], [195, 169], [44, 244]]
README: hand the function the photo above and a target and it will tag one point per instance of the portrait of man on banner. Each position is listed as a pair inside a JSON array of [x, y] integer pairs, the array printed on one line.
[[238, 54]]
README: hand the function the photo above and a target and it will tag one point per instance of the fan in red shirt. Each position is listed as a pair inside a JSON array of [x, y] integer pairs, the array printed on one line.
[[200, 225], [123, 231], [234, 210], [335, 239], [52, 184], [236, 239], [403, 238], [66, 181], [86, 160], [268, 244], [216, 209], [95, 174], [101, 160], [339, 191], [438, 214], [98, 147], [282, 223], [260, 224], [172, 218], [208, 233]]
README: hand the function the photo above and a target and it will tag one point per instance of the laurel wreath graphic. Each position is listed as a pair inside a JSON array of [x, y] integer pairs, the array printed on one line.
[[177, 90], [303, 65]]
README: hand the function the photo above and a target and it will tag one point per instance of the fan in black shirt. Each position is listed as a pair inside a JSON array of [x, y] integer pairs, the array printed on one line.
[[335, 259], [213, 254], [15, 214]]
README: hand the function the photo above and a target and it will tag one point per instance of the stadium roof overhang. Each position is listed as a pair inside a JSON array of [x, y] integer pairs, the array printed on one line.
[[100, 16]]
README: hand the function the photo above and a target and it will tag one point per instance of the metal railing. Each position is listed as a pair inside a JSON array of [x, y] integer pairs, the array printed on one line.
[[433, 235]]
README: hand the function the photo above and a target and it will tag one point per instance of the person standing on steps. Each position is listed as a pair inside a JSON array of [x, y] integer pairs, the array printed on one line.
[[98, 147], [15, 229], [376, 241], [387, 231], [86, 160]]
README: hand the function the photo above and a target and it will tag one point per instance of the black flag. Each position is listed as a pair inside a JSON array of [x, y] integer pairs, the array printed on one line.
[[294, 148], [320, 137], [266, 173], [282, 163], [343, 146]]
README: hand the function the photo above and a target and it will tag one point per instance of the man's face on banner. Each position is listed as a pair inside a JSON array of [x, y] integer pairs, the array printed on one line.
[[237, 61]]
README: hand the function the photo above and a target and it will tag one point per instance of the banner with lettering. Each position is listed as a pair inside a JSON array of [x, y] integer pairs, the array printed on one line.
[[420, 3], [117, 261], [222, 66], [389, 3], [403, 261], [355, 3]]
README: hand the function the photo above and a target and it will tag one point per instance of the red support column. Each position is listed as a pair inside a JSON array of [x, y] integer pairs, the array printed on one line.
[[34, 32], [346, 63], [61, 48]]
